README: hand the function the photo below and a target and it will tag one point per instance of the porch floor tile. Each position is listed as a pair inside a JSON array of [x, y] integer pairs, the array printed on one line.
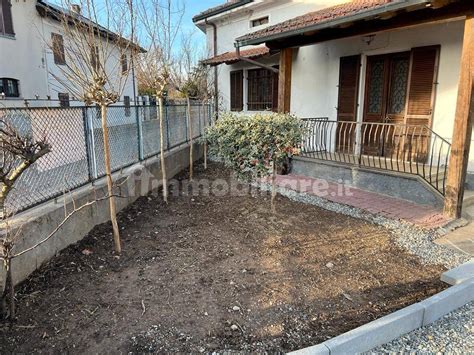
[[423, 216]]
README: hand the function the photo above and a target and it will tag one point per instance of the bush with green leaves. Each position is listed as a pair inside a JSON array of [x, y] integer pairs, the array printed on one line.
[[254, 145]]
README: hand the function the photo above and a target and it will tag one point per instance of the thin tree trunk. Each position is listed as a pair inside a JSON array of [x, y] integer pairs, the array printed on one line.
[[162, 151], [191, 143], [108, 172], [8, 292], [273, 187], [3, 210]]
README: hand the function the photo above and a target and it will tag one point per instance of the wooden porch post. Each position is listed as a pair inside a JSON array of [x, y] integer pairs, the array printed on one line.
[[462, 131], [284, 80]]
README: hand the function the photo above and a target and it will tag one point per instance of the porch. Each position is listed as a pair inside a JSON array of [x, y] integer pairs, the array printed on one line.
[[402, 73]]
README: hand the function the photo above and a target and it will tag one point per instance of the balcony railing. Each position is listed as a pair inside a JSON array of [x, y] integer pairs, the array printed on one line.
[[404, 148]]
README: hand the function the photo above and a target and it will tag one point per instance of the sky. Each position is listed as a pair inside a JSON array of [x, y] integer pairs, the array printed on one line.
[[192, 8]]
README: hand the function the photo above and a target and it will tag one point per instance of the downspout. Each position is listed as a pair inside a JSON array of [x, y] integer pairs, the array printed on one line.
[[216, 74]]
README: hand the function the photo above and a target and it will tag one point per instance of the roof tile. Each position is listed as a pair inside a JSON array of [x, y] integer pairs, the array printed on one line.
[[328, 14], [231, 57]]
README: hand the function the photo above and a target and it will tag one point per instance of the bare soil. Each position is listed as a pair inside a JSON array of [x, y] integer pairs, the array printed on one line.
[[209, 273]]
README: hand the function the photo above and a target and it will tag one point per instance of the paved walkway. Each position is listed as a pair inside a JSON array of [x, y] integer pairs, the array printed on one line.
[[461, 239], [420, 215]]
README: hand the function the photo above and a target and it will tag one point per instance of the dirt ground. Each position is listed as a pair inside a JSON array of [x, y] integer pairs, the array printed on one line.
[[209, 273]]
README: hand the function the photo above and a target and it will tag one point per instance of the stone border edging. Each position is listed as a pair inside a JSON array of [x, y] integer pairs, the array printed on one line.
[[394, 325]]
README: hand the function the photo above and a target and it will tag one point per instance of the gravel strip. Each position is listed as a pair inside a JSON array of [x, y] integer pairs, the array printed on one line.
[[416, 240], [453, 334]]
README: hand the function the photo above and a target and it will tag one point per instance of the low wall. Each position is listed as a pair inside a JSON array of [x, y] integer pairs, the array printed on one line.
[[403, 186], [138, 180]]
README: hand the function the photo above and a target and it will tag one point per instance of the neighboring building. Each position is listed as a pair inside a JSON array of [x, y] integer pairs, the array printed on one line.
[[27, 65], [385, 74]]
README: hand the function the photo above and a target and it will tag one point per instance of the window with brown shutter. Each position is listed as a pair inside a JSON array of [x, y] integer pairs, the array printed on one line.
[[262, 90], [237, 90], [9, 87], [349, 69], [6, 20], [63, 99], [421, 91], [349, 73], [95, 58], [58, 49], [124, 63]]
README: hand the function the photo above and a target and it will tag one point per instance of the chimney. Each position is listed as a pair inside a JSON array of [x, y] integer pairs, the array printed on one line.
[[75, 8]]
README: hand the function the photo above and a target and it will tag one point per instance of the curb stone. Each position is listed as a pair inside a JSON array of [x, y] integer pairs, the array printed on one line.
[[395, 325], [447, 301]]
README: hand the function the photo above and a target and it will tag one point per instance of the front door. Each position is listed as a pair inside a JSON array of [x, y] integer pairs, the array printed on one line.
[[385, 102]]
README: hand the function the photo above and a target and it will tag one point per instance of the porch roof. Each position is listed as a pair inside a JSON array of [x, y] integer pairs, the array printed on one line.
[[339, 21], [231, 57]]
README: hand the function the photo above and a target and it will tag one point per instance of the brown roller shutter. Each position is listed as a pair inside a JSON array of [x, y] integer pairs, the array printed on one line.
[[420, 101], [237, 90], [349, 70], [7, 18], [422, 87]]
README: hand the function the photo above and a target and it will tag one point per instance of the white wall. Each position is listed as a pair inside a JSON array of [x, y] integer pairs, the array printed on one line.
[[316, 68], [28, 59], [316, 71]]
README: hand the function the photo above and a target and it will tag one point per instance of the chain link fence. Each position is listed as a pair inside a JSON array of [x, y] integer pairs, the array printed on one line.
[[76, 139]]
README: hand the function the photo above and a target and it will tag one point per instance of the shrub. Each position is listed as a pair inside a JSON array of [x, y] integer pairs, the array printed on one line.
[[254, 145]]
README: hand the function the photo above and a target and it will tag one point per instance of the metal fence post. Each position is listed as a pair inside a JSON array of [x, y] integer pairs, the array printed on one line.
[[199, 115], [186, 121], [90, 137], [139, 133], [87, 142], [167, 127]]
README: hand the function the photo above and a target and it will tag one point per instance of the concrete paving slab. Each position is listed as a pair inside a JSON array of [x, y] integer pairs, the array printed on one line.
[[460, 274], [461, 239]]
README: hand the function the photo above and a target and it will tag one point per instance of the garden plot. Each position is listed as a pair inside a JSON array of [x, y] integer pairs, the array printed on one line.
[[209, 273]]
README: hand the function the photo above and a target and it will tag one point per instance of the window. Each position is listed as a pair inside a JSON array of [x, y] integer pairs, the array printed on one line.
[[124, 63], [126, 101], [236, 90], [63, 99], [260, 21], [95, 58], [9, 87], [262, 90], [6, 20], [58, 49]]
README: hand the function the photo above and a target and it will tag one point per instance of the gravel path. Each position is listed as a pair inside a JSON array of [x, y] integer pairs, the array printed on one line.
[[454, 334]]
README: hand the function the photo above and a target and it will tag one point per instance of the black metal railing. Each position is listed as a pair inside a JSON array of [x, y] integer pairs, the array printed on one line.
[[405, 148]]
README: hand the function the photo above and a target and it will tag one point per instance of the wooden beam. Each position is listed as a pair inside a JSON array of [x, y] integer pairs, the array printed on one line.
[[462, 131], [284, 80]]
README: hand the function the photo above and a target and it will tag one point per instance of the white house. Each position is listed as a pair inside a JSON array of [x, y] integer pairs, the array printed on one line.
[[28, 67], [384, 74]]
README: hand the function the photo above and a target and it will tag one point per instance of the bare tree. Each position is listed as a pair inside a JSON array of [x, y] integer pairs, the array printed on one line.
[[161, 21], [95, 67], [17, 152], [191, 80]]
